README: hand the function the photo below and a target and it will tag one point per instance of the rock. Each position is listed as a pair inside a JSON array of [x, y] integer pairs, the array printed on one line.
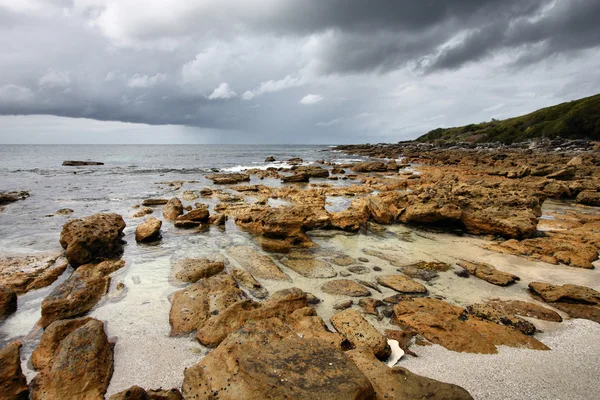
[[564, 174], [194, 305], [575, 161], [255, 362], [557, 190], [13, 384], [295, 161], [525, 309], [403, 338], [173, 209], [11, 197], [194, 269], [8, 302], [345, 287], [371, 285], [363, 259], [78, 294], [81, 368], [450, 326], [399, 383], [418, 273], [577, 301], [54, 334], [343, 304], [432, 266], [492, 314], [25, 273], [369, 305], [217, 219], [92, 239], [137, 393], [359, 332], [80, 163], [196, 217], [308, 325], [270, 159], [310, 267], [154, 202], [589, 198], [227, 179], [190, 195], [258, 264], [401, 283], [489, 273], [205, 192], [297, 177], [312, 171], [247, 281], [149, 230], [370, 166], [343, 261], [279, 305], [359, 269], [142, 212], [64, 211]]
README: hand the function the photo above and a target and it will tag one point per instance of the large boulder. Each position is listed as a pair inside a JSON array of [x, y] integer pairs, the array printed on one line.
[[13, 384], [172, 209], [589, 198], [196, 217], [354, 327], [81, 367], [92, 239], [265, 359], [149, 230], [78, 294]]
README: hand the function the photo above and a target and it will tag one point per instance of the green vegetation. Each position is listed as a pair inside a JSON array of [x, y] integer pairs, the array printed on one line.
[[579, 119]]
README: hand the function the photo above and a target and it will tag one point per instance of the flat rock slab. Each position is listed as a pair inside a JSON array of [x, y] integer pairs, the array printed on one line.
[[487, 312], [310, 267], [489, 273], [577, 301], [25, 273], [401, 284], [354, 327], [526, 309], [345, 287], [401, 384], [194, 269], [258, 264]]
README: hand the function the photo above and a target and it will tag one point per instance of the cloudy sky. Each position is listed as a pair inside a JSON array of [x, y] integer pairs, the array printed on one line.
[[284, 71]]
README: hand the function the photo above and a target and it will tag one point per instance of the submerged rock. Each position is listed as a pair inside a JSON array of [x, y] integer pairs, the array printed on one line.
[[309, 267], [11, 197], [489, 273], [258, 264], [194, 269], [13, 384], [247, 281], [154, 202], [354, 327], [92, 239], [345, 287]]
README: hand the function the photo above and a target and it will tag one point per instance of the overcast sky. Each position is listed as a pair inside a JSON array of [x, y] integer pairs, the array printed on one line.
[[284, 71]]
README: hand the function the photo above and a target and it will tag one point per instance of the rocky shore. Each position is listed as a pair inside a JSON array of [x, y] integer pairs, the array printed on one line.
[[309, 276]]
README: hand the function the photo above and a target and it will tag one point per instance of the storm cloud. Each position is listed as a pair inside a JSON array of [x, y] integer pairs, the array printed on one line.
[[292, 70]]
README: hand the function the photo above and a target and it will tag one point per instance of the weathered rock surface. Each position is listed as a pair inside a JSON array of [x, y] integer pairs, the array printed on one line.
[[451, 327], [138, 393], [25, 273], [173, 209], [525, 309], [401, 384], [247, 281], [280, 305], [92, 239], [265, 359], [492, 314], [154, 202], [589, 198], [11, 197], [81, 368], [309, 267], [194, 269], [142, 212], [195, 217], [258, 264], [194, 305], [13, 384], [489, 273], [78, 294], [149, 230], [370, 166], [227, 179], [345, 287], [577, 301], [354, 327], [401, 284], [297, 177], [369, 305], [8, 302]]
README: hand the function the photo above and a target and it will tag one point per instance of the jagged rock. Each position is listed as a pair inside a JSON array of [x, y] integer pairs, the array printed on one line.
[[403, 338], [227, 179], [92, 239], [173, 209], [525, 309], [280, 304], [8, 302], [451, 327], [149, 230], [217, 219], [345, 287], [253, 364], [78, 294], [258, 264], [418, 273], [64, 211], [354, 327], [401, 284], [312, 171], [577, 301], [190, 195], [557, 190], [25, 273], [492, 314], [194, 305], [564, 174], [194, 269], [13, 384], [247, 281], [81, 367], [489, 273]]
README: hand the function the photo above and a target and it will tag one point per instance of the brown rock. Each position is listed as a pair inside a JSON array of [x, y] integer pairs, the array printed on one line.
[[403, 338], [343, 261], [310, 267], [92, 239], [194, 269], [78, 294], [173, 209], [401, 284], [297, 177], [25, 273], [81, 368], [247, 281], [354, 327], [492, 314], [137, 393], [345, 287], [142, 212], [401, 384], [8, 302], [489, 273], [369, 305], [194, 305], [197, 216], [13, 384], [258, 264], [577, 301], [370, 166], [525, 309], [267, 360], [149, 230], [227, 179], [154, 202], [343, 304], [589, 198]]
